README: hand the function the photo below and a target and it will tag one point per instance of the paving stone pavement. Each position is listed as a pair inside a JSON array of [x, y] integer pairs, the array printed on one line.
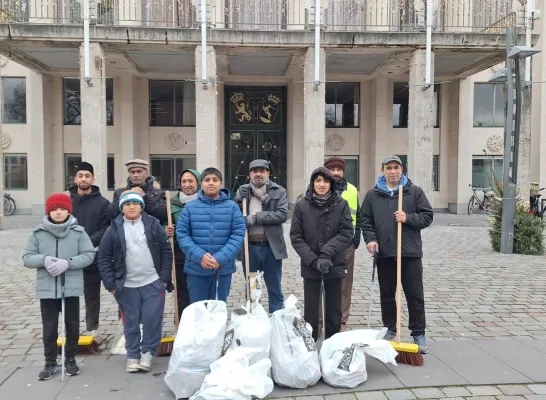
[[478, 302], [471, 293]]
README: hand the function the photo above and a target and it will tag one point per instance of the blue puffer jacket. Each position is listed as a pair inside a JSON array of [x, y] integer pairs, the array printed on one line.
[[210, 226]]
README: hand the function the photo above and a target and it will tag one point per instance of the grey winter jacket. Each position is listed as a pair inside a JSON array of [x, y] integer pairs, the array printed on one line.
[[65, 241]]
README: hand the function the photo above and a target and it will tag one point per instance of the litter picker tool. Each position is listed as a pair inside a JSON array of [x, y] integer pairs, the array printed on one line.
[[63, 336], [408, 353], [373, 284], [167, 343], [323, 302]]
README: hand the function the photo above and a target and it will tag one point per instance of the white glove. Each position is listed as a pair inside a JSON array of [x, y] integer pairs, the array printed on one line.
[[58, 267]]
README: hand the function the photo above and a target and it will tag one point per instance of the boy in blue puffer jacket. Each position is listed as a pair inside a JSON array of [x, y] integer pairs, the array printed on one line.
[[210, 232]]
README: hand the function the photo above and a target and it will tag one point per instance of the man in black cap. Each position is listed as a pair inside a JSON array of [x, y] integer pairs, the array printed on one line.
[[141, 181], [90, 208], [267, 211], [380, 217]]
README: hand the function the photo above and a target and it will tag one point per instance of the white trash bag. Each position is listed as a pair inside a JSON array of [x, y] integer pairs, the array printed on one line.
[[249, 328], [343, 356], [239, 375], [199, 342], [294, 358]]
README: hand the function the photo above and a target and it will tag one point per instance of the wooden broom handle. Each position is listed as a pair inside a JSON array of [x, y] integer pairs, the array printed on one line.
[[247, 259], [399, 268], [175, 291]]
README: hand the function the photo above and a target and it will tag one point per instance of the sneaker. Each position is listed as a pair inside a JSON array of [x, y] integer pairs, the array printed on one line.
[[70, 367], [421, 341], [49, 370], [145, 362], [132, 365], [390, 335]]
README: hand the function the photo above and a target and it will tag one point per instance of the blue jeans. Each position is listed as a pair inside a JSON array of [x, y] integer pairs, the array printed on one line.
[[263, 259], [204, 287], [142, 305]]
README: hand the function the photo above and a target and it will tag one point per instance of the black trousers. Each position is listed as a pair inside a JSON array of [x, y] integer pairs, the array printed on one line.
[[312, 299], [181, 289], [91, 292], [50, 320], [412, 283]]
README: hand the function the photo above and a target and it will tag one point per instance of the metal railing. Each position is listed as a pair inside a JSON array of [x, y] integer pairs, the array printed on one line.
[[272, 15]]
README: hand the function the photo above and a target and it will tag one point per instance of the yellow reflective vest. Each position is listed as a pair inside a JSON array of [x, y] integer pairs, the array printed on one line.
[[351, 196]]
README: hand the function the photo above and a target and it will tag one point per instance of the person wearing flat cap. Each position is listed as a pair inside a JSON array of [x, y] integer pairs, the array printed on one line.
[[380, 217], [267, 211], [349, 192], [139, 180]]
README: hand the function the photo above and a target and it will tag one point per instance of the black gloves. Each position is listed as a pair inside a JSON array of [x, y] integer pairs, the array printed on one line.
[[323, 265]]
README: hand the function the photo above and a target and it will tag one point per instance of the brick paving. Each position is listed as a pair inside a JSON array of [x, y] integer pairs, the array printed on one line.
[[500, 392], [471, 293]]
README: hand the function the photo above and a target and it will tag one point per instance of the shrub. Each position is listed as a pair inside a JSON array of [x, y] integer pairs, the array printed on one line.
[[528, 230]]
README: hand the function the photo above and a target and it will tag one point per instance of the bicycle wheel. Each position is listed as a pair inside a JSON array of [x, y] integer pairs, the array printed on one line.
[[487, 205], [7, 206], [471, 205], [12, 206]]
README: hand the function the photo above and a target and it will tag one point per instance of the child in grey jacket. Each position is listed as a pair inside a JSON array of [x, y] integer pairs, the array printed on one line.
[[59, 250]]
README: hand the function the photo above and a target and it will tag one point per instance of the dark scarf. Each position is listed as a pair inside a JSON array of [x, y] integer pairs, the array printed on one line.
[[321, 201]]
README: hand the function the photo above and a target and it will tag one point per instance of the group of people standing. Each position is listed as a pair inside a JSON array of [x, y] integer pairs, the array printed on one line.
[[84, 239]]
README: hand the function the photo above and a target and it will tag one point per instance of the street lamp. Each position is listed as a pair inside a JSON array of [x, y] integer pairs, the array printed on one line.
[[514, 54]]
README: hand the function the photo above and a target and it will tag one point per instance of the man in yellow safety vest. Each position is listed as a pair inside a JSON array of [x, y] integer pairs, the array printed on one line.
[[349, 192]]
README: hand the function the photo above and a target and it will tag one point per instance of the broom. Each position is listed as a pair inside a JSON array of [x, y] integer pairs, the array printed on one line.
[[408, 353], [167, 343]]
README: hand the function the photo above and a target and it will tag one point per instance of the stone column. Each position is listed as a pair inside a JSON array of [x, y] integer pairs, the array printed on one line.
[[93, 109], [38, 154], [2, 172], [206, 103], [420, 123], [524, 154], [314, 131], [128, 134]]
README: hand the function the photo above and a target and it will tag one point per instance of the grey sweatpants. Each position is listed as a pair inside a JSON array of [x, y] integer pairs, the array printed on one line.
[[142, 305]]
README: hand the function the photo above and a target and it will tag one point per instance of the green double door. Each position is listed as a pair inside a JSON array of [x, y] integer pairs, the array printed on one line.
[[255, 128]]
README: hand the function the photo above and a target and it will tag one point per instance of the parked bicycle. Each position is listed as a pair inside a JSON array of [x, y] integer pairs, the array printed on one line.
[[537, 205], [484, 204], [9, 204]]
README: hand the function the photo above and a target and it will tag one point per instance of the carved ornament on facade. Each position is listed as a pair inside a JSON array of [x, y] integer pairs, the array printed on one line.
[[174, 141], [6, 140], [335, 142], [495, 143]]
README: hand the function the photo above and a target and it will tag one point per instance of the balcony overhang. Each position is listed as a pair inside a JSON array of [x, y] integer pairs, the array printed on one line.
[[54, 49]]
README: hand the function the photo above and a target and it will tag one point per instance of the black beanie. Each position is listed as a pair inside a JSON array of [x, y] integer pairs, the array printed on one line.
[[85, 166]]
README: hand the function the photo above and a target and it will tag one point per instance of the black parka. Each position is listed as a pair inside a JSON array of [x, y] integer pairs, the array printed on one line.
[[324, 231]]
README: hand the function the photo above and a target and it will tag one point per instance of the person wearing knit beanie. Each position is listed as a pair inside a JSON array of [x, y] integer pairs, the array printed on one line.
[[131, 196], [335, 162], [56, 201]]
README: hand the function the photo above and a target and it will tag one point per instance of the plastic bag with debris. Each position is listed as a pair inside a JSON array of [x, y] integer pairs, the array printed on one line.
[[199, 342], [343, 356], [294, 358], [249, 328], [239, 375]]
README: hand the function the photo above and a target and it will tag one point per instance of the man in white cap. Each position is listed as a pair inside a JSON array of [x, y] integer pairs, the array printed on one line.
[[141, 181]]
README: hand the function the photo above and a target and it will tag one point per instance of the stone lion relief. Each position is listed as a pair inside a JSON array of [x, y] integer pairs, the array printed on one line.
[[335, 142], [495, 142]]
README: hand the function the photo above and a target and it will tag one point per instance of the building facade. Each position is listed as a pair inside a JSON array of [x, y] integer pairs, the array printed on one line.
[[153, 91]]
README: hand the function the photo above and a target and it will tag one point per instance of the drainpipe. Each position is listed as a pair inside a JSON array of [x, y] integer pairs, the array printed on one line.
[[86, 75], [428, 82], [204, 79], [316, 81], [528, 31]]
